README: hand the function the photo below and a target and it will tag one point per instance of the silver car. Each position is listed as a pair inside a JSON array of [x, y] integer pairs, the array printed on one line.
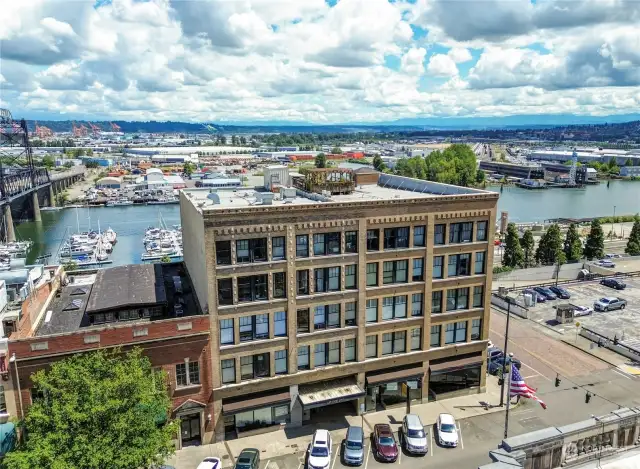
[[354, 446], [413, 435]]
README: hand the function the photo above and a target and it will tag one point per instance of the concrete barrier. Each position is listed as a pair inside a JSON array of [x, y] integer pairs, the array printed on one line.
[[541, 274], [516, 308], [622, 348]]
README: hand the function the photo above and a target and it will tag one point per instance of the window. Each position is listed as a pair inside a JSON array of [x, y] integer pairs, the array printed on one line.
[[418, 270], [225, 291], [279, 285], [436, 302], [226, 331], [394, 307], [278, 248], [303, 357], [439, 234], [479, 264], [223, 252], [194, 373], [303, 321], [252, 288], [228, 371], [350, 350], [280, 324], [254, 327], [416, 338], [434, 340], [325, 244], [372, 311], [459, 264], [461, 232], [280, 362], [326, 317], [251, 250], [319, 355], [393, 342], [396, 238], [476, 329], [478, 296], [254, 366], [351, 241], [302, 246], [334, 352], [394, 272], [418, 236], [181, 374], [457, 298], [455, 333], [373, 240], [350, 314], [372, 346], [187, 374], [372, 274], [327, 279], [416, 304], [350, 277], [481, 227], [438, 262], [302, 282]]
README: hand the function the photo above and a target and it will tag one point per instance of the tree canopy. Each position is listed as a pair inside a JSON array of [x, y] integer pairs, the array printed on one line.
[[454, 165], [527, 242], [98, 410], [549, 246], [572, 244], [633, 245], [321, 160], [513, 255], [594, 246], [378, 164]]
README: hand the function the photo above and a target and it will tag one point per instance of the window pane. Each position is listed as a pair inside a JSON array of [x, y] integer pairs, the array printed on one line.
[[437, 266], [350, 314], [482, 231], [194, 373], [387, 272], [350, 276], [387, 308], [461, 331], [334, 278], [416, 304], [350, 350], [303, 321], [333, 243], [320, 280], [401, 271], [278, 247], [228, 371], [302, 246], [351, 241], [262, 326], [387, 343], [435, 336], [280, 324], [225, 291], [478, 296], [399, 341], [319, 320], [418, 269], [436, 302], [281, 361], [319, 357], [476, 329], [449, 334], [372, 346], [416, 338], [334, 315], [372, 310], [334, 352], [246, 367], [279, 283], [372, 274], [303, 357], [400, 307], [246, 328], [479, 263], [303, 282], [373, 243], [242, 251], [439, 231], [418, 236], [451, 299], [223, 252], [181, 374], [452, 266], [463, 298], [226, 331]]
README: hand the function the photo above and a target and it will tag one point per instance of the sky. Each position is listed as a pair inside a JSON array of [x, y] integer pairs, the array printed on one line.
[[318, 61]]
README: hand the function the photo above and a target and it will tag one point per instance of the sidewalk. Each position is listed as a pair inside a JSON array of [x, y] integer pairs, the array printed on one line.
[[293, 441], [612, 358]]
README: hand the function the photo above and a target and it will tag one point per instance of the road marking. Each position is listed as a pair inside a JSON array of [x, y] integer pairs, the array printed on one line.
[[334, 458], [300, 465], [367, 460], [431, 441], [460, 436], [266, 466], [621, 373]]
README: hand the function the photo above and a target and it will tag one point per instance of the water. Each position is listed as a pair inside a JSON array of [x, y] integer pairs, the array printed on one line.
[[130, 222], [593, 201]]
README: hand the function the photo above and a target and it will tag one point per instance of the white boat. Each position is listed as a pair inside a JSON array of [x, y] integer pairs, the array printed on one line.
[[163, 201], [70, 251], [119, 203], [50, 209], [111, 236]]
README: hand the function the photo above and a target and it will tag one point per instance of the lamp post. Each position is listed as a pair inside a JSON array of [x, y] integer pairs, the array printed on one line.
[[506, 344], [613, 220], [15, 364], [506, 415]]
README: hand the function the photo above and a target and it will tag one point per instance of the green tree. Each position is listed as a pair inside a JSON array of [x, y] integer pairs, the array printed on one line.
[[528, 244], [89, 152], [378, 164], [100, 409], [165, 259], [321, 160], [629, 162], [594, 246], [513, 255], [70, 266], [480, 177], [455, 165], [188, 168], [68, 165], [572, 244], [91, 164], [633, 245], [336, 151], [549, 246], [48, 161]]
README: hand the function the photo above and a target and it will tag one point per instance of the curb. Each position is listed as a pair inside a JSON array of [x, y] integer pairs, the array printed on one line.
[[589, 353]]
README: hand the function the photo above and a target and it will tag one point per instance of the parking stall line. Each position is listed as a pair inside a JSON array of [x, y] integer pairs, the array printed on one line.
[[335, 457], [266, 466], [367, 458], [431, 442], [460, 435]]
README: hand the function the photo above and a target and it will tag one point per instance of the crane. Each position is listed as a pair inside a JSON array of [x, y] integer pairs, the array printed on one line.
[[95, 130], [115, 127], [43, 132]]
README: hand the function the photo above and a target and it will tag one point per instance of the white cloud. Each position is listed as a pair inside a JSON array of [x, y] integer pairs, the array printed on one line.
[[412, 62], [442, 65], [459, 55]]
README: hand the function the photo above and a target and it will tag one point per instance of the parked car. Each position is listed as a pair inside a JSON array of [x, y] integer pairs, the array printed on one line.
[[613, 283], [560, 292], [609, 304], [319, 452], [546, 293], [613, 256], [536, 296], [581, 311], [606, 263], [494, 366], [249, 458], [493, 352], [353, 453], [210, 463], [386, 448], [447, 430], [413, 435]]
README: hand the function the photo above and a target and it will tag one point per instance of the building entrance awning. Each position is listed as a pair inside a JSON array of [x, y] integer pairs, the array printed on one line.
[[255, 403], [329, 392], [395, 376], [455, 364]]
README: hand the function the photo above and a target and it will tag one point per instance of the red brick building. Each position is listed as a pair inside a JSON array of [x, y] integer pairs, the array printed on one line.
[[148, 306]]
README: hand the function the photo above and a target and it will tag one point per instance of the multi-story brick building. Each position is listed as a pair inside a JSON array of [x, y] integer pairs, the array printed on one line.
[[149, 306], [347, 293]]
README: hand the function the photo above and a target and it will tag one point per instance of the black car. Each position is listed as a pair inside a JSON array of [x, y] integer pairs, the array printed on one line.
[[546, 293], [249, 458], [561, 292], [613, 283]]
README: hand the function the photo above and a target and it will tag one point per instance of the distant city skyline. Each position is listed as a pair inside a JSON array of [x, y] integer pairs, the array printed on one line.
[[320, 62]]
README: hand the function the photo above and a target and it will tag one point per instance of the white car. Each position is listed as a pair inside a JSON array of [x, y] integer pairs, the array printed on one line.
[[582, 311], [210, 463], [606, 263], [447, 430], [319, 453]]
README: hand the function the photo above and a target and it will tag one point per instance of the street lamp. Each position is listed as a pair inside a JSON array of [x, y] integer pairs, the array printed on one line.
[[15, 364], [613, 220], [506, 415], [508, 299]]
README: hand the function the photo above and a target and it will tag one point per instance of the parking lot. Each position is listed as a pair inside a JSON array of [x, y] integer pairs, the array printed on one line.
[[609, 323]]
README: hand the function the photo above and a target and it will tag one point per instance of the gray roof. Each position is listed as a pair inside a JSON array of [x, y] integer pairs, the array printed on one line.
[[113, 287]]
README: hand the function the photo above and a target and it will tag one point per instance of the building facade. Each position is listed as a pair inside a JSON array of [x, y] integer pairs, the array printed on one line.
[[322, 304]]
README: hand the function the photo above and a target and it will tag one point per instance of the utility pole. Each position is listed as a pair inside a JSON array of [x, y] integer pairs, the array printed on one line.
[[506, 415], [506, 343]]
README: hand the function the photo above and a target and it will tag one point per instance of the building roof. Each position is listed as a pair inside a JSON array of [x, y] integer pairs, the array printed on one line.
[[135, 284], [154, 170], [109, 180]]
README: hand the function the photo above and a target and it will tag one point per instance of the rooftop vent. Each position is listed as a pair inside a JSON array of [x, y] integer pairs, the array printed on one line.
[[214, 198], [73, 306], [266, 198], [79, 291]]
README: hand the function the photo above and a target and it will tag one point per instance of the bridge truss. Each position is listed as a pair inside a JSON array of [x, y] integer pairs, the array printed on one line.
[[18, 174]]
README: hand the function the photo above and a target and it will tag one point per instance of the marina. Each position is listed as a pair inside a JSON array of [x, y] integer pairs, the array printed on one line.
[[162, 243]]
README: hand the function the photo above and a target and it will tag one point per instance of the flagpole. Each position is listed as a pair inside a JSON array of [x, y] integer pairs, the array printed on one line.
[[506, 415]]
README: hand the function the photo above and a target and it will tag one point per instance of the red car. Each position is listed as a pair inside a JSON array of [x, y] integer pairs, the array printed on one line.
[[384, 443]]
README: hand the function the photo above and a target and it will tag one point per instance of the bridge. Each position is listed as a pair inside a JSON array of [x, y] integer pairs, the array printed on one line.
[[23, 185]]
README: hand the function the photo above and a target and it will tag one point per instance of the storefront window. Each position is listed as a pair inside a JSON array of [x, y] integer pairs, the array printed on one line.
[[442, 382], [260, 418], [392, 394]]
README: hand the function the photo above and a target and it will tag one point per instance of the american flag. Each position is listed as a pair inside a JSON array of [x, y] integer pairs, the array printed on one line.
[[520, 388]]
